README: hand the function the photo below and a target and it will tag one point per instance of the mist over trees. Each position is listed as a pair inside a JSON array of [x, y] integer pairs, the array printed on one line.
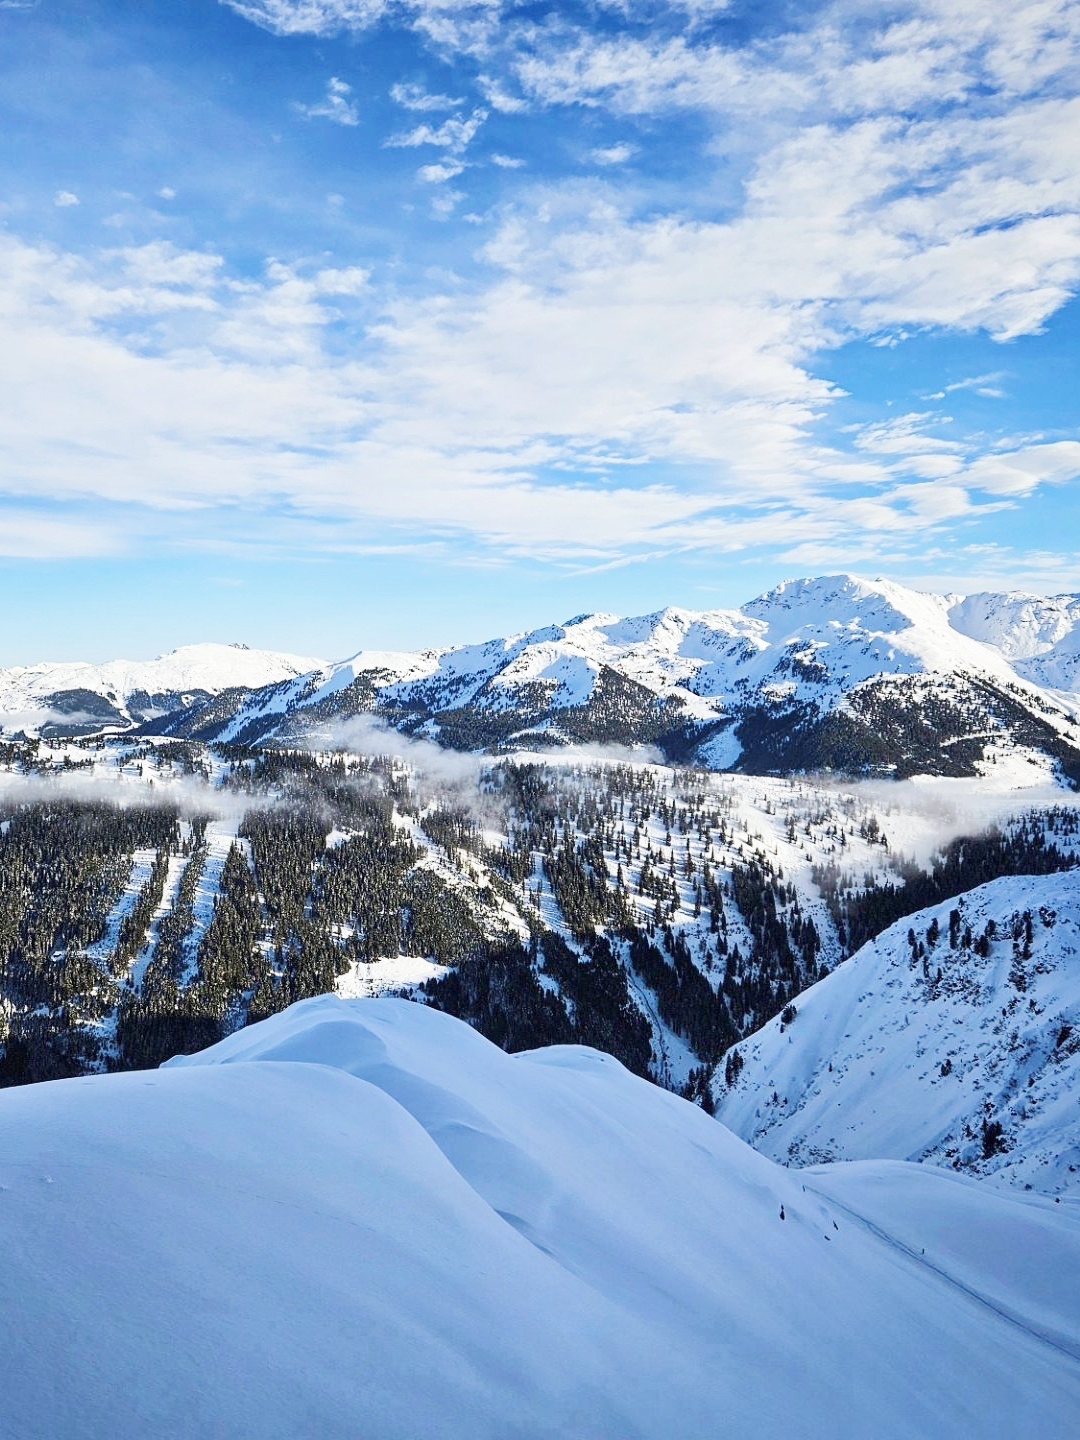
[[659, 915]]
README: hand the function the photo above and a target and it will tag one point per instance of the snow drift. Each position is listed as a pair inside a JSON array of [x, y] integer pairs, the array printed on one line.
[[360, 1218]]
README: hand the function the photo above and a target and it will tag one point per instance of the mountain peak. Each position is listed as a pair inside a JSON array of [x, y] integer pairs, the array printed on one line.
[[808, 648]]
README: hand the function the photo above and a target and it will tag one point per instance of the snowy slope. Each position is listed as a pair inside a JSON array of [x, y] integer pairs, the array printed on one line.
[[914, 1053], [360, 1218], [1040, 634], [31, 695]]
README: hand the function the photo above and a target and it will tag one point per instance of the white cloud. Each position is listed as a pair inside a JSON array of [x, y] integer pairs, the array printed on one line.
[[441, 171], [452, 416], [335, 105], [309, 17], [64, 198], [904, 435], [445, 202], [908, 54], [982, 385], [989, 566], [454, 134], [499, 98], [1022, 471], [507, 162], [415, 97], [30, 535], [331, 17], [618, 379], [166, 193], [613, 154]]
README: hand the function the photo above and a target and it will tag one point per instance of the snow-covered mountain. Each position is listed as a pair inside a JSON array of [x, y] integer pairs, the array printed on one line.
[[953, 1037], [836, 672], [80, 697], [363, 1219], [1039, 634]]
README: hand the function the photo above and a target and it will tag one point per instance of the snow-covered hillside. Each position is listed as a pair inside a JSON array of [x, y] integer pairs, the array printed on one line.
[[360, 1218], [953, 1037], [120, 693], [1039, 634], [156, 893]]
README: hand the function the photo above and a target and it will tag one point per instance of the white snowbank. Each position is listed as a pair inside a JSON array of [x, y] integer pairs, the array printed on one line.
[[367, 978], [361, 1219]]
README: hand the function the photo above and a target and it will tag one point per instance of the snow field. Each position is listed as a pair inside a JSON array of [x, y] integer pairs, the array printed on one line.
[[360, 1218]]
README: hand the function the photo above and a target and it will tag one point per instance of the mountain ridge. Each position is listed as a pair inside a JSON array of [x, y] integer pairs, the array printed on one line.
[[830, 672], [126, 693]]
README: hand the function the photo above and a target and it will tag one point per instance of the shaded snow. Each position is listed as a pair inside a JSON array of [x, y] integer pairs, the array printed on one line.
[[360, 1218]]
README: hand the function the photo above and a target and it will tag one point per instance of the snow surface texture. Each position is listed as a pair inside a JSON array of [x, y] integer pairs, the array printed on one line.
[[912, 1053], [362, 1219]]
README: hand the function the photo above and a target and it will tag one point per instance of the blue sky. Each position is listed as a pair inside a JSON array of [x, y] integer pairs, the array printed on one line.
[[335, 323]]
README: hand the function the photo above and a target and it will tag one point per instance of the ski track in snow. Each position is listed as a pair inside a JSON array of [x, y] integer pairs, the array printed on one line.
[[142, 863], [1069, 1348], [220, 837], [177, 865]]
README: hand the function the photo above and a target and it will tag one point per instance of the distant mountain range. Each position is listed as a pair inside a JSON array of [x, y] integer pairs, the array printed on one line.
[[79, 698], [837, 672]]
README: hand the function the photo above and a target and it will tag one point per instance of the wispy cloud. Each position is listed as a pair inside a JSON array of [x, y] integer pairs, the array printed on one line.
[[986, 385], [447, 422], [65, 198], [613, 154], [335, 105], [415, 97], [309, 17], [441, 171], [27, 534], [454, 134], [905, 435], [625, 367]]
